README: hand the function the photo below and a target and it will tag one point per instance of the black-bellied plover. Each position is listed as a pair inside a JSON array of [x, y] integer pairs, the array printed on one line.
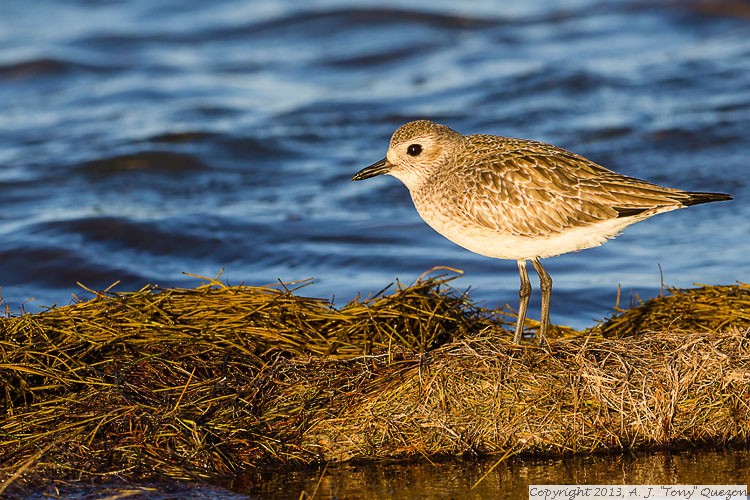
[[519, 199]]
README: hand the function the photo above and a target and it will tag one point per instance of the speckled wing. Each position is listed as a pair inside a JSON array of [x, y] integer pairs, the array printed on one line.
[[527, 188]]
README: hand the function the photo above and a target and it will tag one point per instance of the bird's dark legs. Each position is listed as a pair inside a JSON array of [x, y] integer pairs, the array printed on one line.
[[545, 283], [524, 293]]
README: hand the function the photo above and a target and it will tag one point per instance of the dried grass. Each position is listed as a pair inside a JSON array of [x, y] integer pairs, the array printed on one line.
[[203, 383], [708, 308]]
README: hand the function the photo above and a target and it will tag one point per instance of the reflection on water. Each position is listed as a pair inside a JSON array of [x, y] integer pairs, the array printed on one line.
[[510, 479], [468, 478]]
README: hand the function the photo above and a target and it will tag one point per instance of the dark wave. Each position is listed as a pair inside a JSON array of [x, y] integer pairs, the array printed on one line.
[[321, 21], [48, 67], [384, 56], [150, 161], [52, 266]]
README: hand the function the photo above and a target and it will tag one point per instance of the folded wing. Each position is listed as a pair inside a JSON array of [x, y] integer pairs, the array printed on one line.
[[534, 189]]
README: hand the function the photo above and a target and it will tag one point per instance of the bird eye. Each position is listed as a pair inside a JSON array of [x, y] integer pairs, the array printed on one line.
[[414, 150]]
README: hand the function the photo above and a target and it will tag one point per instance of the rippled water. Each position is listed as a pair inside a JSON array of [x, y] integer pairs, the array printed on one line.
[[140, 140]]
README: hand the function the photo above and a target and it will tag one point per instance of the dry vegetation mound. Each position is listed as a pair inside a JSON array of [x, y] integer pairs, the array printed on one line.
[[203, 383]]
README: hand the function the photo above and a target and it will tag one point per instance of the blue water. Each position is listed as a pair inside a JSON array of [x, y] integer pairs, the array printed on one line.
[[146, 139]]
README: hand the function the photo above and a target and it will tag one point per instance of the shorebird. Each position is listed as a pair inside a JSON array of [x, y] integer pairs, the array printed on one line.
[[519, 199]]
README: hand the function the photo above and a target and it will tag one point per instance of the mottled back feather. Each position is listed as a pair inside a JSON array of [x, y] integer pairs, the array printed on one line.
[[528, 188]]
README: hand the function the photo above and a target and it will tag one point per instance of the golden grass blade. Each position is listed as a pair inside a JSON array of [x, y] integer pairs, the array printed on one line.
[[23, 467], [502, 459]]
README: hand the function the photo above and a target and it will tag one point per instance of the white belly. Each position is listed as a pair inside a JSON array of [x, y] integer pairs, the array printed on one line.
[[498, 245]]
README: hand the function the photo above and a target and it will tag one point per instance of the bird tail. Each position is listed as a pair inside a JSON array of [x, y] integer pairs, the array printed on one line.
[[696, 198]]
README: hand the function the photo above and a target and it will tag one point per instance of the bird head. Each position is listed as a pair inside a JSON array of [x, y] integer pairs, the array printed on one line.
[[416, 149]]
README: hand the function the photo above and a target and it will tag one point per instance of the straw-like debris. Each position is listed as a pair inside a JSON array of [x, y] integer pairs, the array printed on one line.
[[203, 383], [708, 309]]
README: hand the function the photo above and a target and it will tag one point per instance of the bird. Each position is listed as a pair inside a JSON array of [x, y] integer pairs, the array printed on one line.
[[519, 199]]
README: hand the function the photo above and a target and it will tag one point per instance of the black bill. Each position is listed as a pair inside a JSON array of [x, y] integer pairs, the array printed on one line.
[[377, 168]]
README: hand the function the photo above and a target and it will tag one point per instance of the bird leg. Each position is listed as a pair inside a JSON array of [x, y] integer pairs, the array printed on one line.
[[524, 293], [545, 283]]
